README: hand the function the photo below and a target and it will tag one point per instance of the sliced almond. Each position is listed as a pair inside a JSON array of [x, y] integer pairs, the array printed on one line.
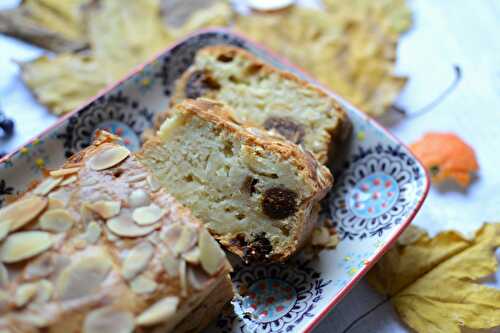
[[180, 237], [197, 278], [212, 257], [192, 256], [4, 275], [137, 260], [22, 212], [138, 198], [25, 293], [64, 172], [45, 289], [56, 220], [4, 230], [171, 265], [108, 158], [5, 301], [24, 245], [148, 214], [154, 184], [69, 180], [47, 185], [41, 267], [109, 320], [86, 213], [124, 226], [93, 232], [143, 285], [161, 311], [79, 243], [106, 209], [137, 178], [83, 277], [320, 236]]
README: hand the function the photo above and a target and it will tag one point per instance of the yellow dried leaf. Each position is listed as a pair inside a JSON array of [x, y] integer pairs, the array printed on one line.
[[124, 34], [64, 17], [350, 48], [433, 282], [64, 82]]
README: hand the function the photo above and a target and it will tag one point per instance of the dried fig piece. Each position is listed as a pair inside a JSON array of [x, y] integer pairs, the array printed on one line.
[[279, 203], [287, 127], [198, 83]]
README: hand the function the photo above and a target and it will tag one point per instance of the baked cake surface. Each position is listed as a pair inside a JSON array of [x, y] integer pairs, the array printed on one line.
[[98, 247], [257, 193], [264, 96]]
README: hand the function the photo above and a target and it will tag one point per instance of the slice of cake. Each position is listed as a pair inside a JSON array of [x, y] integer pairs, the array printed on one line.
[[264, 96], [98, 247], [257, 193]]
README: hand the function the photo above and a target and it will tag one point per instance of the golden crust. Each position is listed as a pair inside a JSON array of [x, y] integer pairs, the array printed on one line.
[[102, 234]]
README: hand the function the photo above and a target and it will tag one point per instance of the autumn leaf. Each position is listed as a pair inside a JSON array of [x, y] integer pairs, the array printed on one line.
[[446, 156], [350, 47], [433, 282]]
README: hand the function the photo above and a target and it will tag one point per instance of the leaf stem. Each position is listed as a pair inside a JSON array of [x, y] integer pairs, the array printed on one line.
[[367, 313], [432, 104]]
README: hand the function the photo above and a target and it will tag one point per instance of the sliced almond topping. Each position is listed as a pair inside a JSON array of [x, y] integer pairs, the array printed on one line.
[[137, 260], [47, 185], [138, 198], [5, 301], [45, 288], [64, 172], [109, 320], [86, 213], [197, 278], [148, 215], [143, 285], [192, 256], [137, 178], [40, 267], [161, 311], [79, 243], [106, 209], [212, 257], [4, 275], [108, 158], [25, 293], [24, 245], [180, 237], [4, 230], [22, 212], [171, 265], [83, 277], [93, 232], [154, 184], [124, 226], [56, 220], [69, 180]]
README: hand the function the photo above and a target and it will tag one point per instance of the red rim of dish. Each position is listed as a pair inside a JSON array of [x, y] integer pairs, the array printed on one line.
[[339, 296]]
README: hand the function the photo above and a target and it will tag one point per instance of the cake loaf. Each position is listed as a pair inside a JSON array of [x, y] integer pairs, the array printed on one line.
[[98, 247], [264, 96], [257, 193]]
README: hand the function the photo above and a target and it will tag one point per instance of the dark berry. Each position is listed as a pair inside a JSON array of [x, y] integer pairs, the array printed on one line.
[[279, 203]]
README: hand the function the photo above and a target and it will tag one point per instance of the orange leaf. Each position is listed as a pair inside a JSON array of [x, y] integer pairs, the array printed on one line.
[[446, 156]]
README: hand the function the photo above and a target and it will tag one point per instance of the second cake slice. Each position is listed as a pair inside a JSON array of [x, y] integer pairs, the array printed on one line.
[[257, 193]]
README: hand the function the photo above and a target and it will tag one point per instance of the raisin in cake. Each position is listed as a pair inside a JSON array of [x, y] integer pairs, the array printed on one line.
[[264, 96], [98, 247], [257, 193]]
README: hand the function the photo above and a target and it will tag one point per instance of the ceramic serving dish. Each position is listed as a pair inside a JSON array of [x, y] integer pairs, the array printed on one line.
[[379, 188]]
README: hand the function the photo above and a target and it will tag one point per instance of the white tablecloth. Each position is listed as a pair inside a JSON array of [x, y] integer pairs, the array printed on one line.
[[445, 33]]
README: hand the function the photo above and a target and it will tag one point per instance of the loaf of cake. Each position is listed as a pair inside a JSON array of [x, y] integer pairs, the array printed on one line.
[[266, 97], [256, 192], [99, 247]]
